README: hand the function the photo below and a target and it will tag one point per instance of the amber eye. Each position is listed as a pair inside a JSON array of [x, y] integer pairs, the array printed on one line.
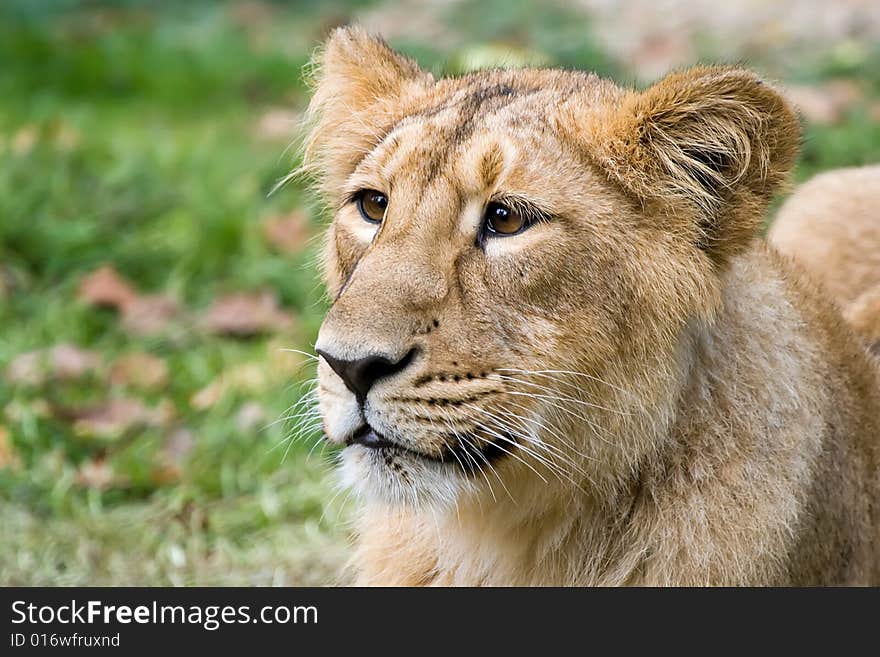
[[503, 220], [372, 205]]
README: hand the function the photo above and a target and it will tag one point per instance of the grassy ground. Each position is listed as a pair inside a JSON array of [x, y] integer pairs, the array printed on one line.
[[146, 136]]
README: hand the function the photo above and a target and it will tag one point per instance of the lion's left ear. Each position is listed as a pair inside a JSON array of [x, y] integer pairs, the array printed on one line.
[[710, 145], [359, 86]]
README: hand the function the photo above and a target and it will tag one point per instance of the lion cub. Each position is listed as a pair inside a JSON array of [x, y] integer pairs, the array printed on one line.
[[831, 226], [557, 352]]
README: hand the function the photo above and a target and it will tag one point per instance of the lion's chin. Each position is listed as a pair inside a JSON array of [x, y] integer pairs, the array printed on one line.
[[395, 476]]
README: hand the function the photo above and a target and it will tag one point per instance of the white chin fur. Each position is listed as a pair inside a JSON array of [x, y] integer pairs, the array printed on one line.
[[416, 483]]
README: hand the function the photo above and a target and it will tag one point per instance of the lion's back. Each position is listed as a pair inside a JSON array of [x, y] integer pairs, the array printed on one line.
[[831, 226]]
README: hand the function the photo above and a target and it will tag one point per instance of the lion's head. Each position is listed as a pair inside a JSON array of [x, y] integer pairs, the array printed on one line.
[[515, 259]]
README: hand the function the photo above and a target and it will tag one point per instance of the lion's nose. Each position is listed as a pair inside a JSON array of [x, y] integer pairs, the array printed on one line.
[[360, 375]]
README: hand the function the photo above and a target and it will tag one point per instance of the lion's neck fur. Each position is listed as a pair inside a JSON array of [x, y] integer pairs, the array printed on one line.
[[726, 456]]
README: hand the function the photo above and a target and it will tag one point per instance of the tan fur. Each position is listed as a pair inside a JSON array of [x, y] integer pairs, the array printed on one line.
[[665, 400], [831, 226], [863, 314]]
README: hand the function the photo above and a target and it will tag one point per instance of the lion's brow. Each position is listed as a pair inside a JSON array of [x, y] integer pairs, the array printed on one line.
[[465, 124], [469, 101]]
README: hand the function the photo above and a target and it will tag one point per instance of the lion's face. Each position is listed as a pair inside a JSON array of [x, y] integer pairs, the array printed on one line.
[[470, 291], [499, 289]]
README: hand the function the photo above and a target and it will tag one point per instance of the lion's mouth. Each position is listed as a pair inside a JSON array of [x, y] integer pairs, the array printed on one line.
[[368, 437], [468, 452]]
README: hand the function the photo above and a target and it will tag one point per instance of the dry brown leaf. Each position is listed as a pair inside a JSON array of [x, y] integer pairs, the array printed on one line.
[[8, 456], [874, 111], [244, 315], [27, 369], [110, 419], [140, 370], [657, 54], [826, 103], [106, 288], [248, 378], [164, 413], [149, 315], [169, 468], [67, 362], [250, 13], [179, 444], [117, 416], [813, 104], [98, 474], [278, 124], [209, 395], [287, 233], [165, 474], [144, 315], [845, 91], [249, 416], [63, 362]]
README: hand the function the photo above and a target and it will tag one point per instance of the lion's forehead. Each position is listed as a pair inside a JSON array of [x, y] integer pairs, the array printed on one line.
[[473, 136]]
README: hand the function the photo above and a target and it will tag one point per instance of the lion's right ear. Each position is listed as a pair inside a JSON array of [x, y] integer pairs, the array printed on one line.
[[360, 87]]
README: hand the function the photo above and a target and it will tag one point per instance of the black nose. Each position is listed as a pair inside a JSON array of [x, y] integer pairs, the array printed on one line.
[[360, 375]]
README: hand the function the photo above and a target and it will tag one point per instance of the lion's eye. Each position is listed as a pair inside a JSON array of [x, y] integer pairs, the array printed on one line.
[[372, 205], [501, 219]]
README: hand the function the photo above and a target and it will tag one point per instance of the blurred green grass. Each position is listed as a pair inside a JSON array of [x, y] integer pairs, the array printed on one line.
[[130, 134]]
